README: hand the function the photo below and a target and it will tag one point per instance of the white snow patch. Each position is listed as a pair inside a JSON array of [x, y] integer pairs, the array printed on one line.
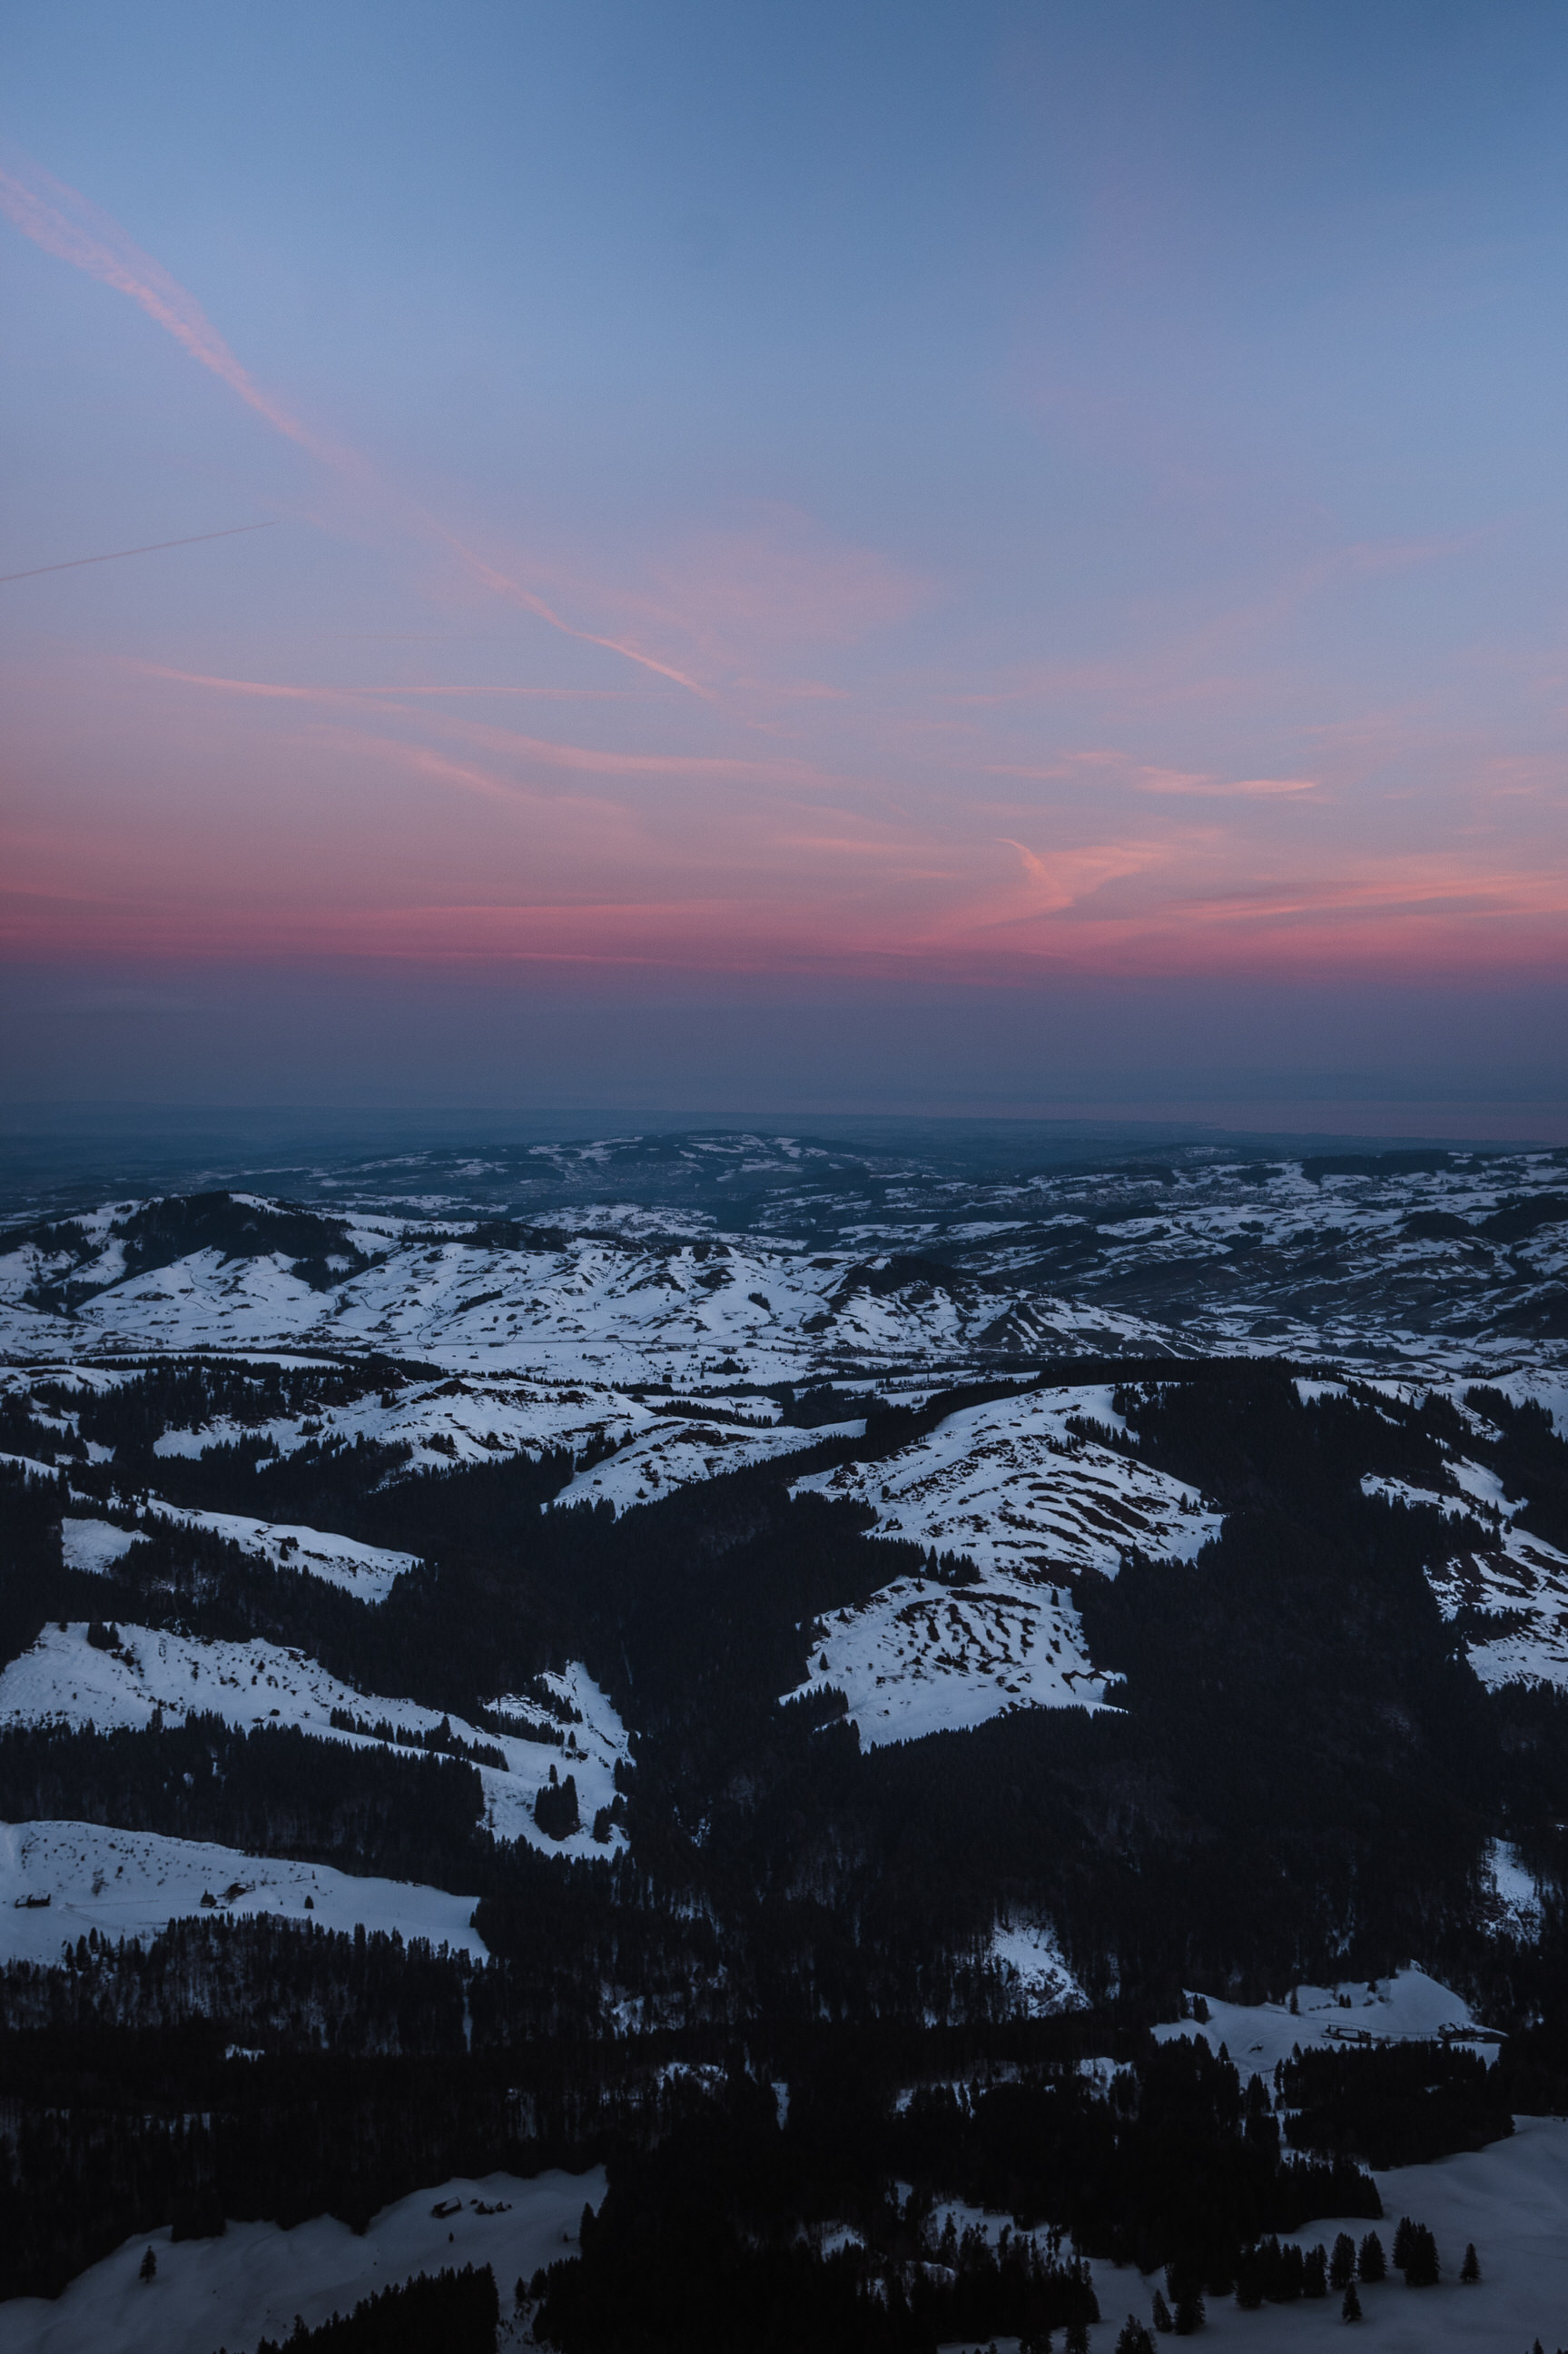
[[64, 1680], [251, 2283], [1009, 1485], [1410, 2006], [672, 1454], [368, 1570], [1516, 1895], [1032, 1958], [133, 1884], [94, 1545], [1519, 1574], [920, 1658]]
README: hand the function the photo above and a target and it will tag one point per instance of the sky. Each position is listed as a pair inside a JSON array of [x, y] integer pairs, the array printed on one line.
[[892, 556]]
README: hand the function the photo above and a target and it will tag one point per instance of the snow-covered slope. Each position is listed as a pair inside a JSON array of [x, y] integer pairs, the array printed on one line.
[[667, 1454], [595, 1308], [920, 1658], [96, 1546], [1032, 1503], [1518, 1574], [780, 1254], [253, 2281], [1409, 2008], [1510, 2200], [58, 1880], [65, 1680], [474, 1419], [1011, 1485], [367, 1571]]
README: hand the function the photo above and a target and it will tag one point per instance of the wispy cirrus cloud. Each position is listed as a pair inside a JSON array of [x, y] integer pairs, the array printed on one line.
[[718, 602], [71, 228], [589, 759], [67, 224], [1175, 783]]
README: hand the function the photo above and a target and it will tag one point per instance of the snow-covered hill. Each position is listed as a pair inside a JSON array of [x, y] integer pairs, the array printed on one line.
[[770, 1258], [151, 1675], [58, 1880]]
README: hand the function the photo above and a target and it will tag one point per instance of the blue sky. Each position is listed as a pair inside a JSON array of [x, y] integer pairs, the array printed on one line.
[[1001, 507]]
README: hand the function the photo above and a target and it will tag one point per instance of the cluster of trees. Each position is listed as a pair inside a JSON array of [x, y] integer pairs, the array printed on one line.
[[555, 1808], [693, 2284], [1415, 2255], [446, 2312], [1399, 2104], [259, 2068], [273, 1790], [436, 1739]]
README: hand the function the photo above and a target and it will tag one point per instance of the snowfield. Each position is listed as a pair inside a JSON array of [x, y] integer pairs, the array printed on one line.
[[133, 1884], [920, 1658], [1511, 2199], [671, 1454], [1410, 2006], [1010, 1486], [94, 1545], [367, 1571], [1033, 1962], [251, 2283], [1032, 1505], [64, 1680]]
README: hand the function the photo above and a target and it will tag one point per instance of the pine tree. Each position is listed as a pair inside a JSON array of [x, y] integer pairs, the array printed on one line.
[[1315, 2272], [1470, 2270], [1402, 2243], [1189, 2313], [1372, 2263], [1342, 2262], [1420, 2263], [149, 2268], [1350, 2309], [1162, 2321], [1076, 2340], [1134, 2339]]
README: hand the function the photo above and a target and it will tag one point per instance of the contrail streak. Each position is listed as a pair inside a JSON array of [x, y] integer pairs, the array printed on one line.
[[66, 224], [154, 547], [71, 226]]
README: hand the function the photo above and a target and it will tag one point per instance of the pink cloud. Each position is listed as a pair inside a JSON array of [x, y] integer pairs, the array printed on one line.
[[1254, 788], [66, 224]]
